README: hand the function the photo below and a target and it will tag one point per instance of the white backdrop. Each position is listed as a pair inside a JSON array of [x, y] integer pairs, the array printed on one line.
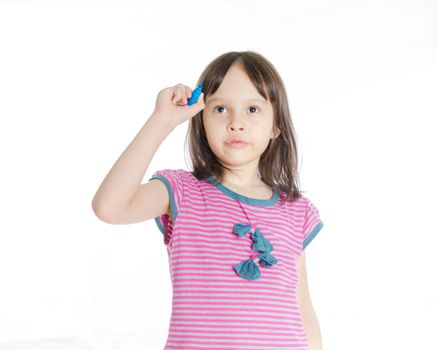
[[78, 79]]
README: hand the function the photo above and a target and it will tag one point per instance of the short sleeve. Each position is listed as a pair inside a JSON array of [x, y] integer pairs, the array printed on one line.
[[312, 223], [173, 180]]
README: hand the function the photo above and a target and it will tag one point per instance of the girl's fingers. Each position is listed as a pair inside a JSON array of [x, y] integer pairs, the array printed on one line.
[[188, 92], [181, 94], [177, 94]]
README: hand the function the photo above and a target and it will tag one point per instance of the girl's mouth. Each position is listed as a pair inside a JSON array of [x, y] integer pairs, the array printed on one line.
[[236, 144]]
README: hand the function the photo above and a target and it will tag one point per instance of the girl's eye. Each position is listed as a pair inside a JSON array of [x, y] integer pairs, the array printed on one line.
[[218, 107]]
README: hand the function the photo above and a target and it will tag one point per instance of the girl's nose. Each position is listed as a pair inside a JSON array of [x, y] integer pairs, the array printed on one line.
[[235, 126], [236, 123]]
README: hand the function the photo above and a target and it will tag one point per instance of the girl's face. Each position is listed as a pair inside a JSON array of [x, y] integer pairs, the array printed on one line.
[[236, 109]]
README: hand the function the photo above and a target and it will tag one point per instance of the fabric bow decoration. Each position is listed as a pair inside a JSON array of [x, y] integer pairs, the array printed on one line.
[[241, 229], [248, 269]]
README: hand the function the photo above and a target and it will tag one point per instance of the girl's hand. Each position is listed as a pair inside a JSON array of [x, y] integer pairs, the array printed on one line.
[[171, 104]]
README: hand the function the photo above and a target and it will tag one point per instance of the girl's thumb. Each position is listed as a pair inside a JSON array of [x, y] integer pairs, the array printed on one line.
[[199, 105]]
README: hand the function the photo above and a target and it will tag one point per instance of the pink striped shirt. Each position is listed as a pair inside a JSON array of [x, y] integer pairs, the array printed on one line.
[[212, 231]]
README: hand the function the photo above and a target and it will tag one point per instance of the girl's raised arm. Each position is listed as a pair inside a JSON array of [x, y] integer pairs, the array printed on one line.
[[121, 199]]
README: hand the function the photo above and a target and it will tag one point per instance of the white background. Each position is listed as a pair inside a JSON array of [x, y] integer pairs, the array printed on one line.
[[78, 79]]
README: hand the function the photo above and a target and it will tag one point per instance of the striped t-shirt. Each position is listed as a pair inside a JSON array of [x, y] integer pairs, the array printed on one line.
[[232, 263]]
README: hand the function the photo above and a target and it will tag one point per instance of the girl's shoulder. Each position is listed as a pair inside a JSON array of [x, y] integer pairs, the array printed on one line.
[[302, 200], [182, 176], [174, 172]]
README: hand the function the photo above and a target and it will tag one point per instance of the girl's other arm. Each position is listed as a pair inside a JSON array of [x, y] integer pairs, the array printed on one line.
[[310, 321]]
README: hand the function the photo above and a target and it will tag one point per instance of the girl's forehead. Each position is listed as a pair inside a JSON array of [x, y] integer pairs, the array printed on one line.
[[236, 83], [229, 99]]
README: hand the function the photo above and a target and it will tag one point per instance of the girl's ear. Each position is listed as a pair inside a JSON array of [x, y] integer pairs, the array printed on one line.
[[275, 133]]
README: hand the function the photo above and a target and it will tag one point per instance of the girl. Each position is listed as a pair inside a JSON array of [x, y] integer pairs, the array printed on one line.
[[236, 226]]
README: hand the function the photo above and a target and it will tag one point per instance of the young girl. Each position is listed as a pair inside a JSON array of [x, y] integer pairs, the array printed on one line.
[[236, 226]]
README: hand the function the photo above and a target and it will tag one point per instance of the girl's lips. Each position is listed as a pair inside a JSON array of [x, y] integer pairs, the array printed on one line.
[[236, 144]]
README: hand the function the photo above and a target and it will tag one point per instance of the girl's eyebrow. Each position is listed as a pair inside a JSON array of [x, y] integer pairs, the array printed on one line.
[[249, 99]]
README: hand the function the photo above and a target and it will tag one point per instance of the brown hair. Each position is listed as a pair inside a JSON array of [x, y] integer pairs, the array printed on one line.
[[278, 163]]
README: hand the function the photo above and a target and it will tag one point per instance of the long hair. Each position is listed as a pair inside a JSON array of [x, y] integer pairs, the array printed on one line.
[[278, 163]]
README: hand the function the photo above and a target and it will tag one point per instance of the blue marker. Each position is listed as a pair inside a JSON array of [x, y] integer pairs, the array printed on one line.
[[195, 95]]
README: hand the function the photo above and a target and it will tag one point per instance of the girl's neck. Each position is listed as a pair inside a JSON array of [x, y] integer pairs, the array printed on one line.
[[243, 181], [259, 185]]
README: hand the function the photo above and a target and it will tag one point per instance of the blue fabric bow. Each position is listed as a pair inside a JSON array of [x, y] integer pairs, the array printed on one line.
[[267, 259], [241, 229], [261, 243], [248, 269]]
